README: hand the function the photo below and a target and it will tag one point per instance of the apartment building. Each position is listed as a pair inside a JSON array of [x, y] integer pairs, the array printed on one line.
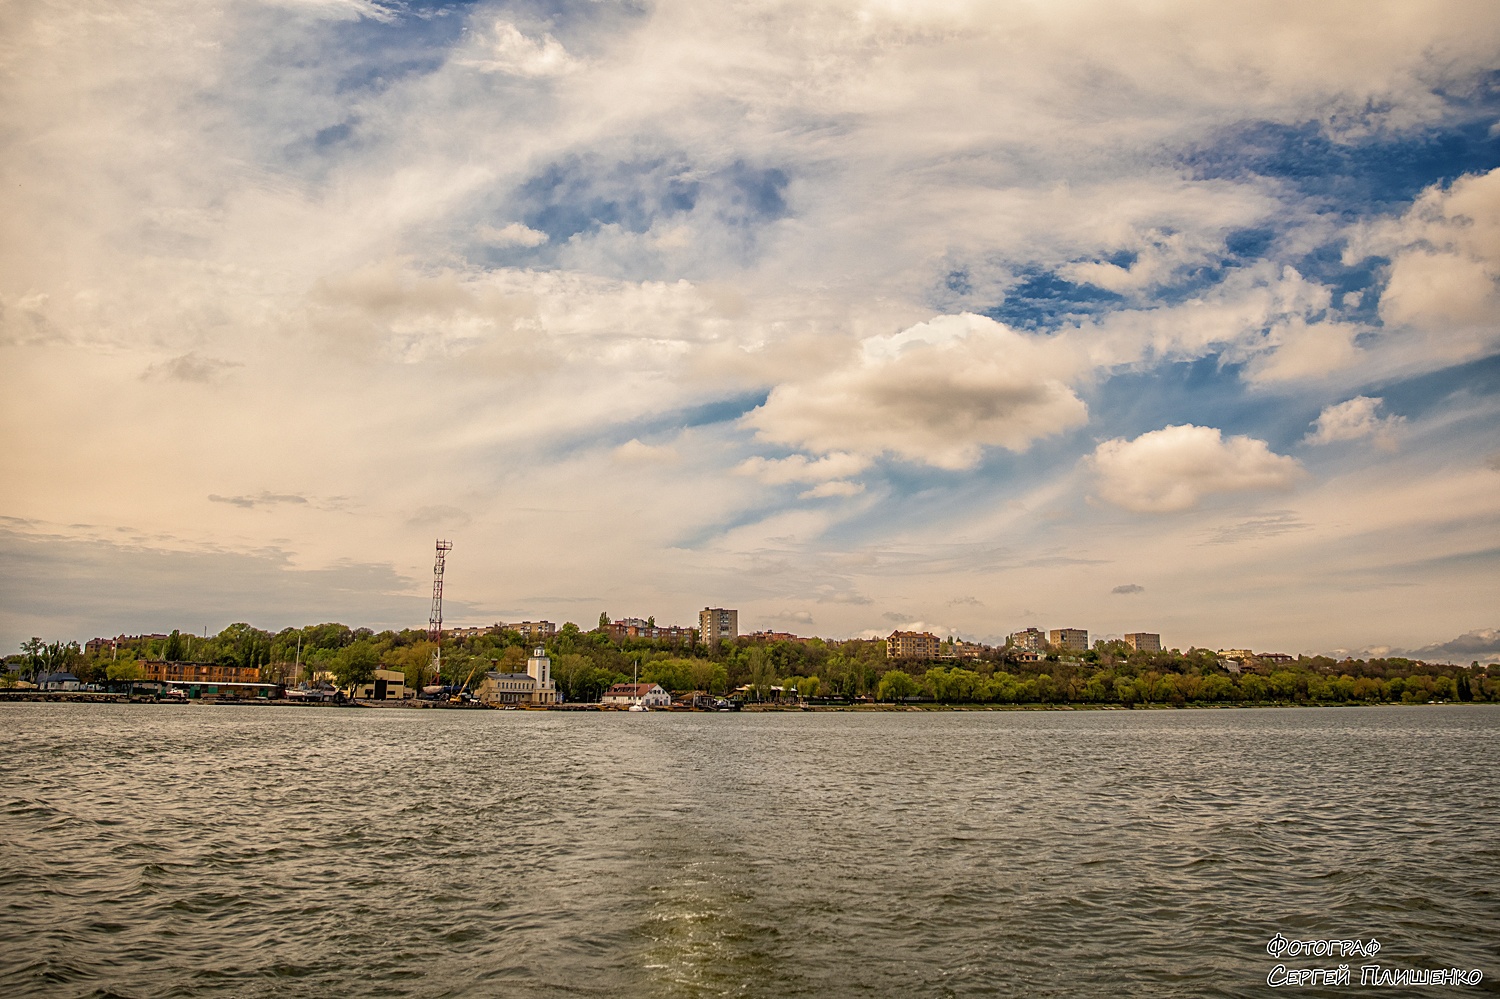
[[912, 645], [718, 623], [1143, 641], [1029, 640], [1069, 639]]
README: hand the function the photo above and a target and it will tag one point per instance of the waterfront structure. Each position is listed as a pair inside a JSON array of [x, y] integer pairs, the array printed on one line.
[[497, 689], [912, 645], [1069, 639], [627, 695], [1029, 640], [716, 624], [539, 668], [57, 681], [1143, 641], [386, 685], [166, 672]]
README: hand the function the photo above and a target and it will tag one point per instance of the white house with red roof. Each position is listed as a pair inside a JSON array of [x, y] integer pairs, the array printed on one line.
[[627, 695]]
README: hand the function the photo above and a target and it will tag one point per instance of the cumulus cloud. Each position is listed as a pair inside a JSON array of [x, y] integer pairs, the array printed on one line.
[[1445, 264], [938, 393], [1172, 469], [1481, 644], [1299, 350], [509, 51], [794, 617], [1352, 420]]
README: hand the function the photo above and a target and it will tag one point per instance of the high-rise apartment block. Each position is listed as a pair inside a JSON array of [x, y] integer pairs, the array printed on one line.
[[716, 624], [1143, 641], [1069, 639], [1029, 640], [912, 645]]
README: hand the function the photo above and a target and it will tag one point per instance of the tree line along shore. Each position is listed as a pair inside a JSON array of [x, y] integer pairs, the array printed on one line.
[[585, 664]]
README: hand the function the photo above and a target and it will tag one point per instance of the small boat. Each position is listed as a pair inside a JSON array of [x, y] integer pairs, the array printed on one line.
[[639, 707]]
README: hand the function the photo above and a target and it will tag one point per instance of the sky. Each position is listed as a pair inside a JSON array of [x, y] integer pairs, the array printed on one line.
[[854, 315]]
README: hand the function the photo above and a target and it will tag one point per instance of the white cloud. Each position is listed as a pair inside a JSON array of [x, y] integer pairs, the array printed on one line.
[[227, 184], [1353, 420], [799, 468], [634, 452], [938, 393], [1300, 350], [1444, 282], [827, 490], [514, 234], [1172, 469], [509, 51]]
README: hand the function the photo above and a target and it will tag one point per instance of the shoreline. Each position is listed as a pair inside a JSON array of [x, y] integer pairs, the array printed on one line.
[[93, 697]]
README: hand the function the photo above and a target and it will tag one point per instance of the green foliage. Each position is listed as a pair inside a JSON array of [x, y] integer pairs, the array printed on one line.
[[897, 685], [355, 663], [126, 670]]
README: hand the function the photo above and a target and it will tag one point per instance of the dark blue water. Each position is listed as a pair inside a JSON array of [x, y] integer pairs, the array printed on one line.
[[252, 851]]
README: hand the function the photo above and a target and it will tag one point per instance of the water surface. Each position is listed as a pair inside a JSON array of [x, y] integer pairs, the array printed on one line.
[[251, 851]]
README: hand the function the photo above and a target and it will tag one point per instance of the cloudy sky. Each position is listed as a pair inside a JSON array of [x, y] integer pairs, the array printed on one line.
[[854, 315]]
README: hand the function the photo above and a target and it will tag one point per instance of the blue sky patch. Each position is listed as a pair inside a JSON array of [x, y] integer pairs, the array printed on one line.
[[1353, 178], [1043, 300]]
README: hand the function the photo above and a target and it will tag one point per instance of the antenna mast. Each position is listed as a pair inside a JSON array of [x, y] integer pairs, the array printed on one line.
[[435, 619]]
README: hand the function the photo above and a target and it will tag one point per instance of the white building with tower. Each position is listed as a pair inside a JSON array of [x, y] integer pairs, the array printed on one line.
[[539, 668], [531, 687]]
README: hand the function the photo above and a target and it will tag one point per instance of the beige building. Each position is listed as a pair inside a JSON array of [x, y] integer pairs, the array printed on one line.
[[387, 685], [1069, 639], [534, 631], [912, 645], [534, 686], [717, 623], [1143, 641], [503, 689], [1030, 640]]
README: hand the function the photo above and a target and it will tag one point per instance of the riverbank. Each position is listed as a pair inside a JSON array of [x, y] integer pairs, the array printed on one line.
[[93, 697]]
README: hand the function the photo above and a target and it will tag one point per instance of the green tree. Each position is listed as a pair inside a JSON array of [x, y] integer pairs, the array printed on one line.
[[126, 670], [173, 651], [355, 664], [896, 685]]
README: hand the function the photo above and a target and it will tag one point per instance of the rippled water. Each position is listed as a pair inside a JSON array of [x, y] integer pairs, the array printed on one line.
[[251, 851]]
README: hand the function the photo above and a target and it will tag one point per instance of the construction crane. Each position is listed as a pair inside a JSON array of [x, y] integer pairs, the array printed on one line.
[[435, 619]]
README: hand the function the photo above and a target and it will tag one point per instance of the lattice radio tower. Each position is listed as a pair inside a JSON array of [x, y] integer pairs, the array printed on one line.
[[435, 619]]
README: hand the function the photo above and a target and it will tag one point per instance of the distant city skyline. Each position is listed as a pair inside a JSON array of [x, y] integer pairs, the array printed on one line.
[[854, 317]]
